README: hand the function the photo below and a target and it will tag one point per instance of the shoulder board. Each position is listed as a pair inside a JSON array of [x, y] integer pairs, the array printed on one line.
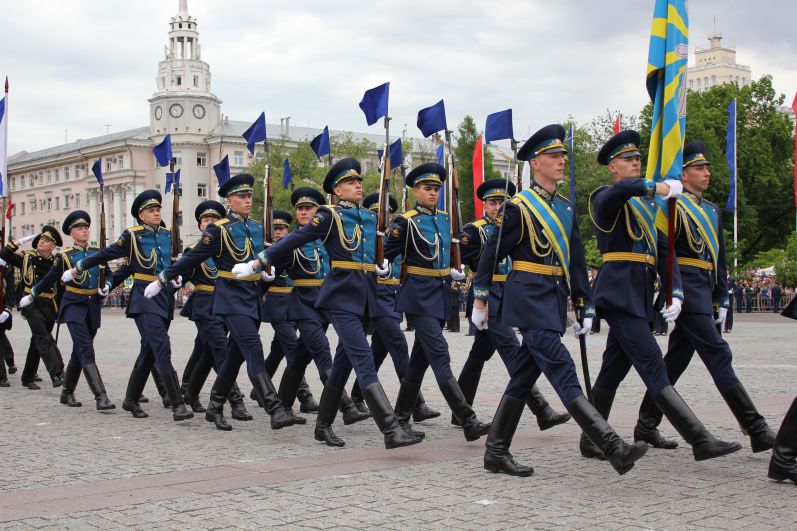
[[442, 212], [709, 203], [187, 247], [563, 198], [93, 248], [479, 223], [515, 200], [409, 213], [66, 249], [29, 251], [222, 221], [136, 228]]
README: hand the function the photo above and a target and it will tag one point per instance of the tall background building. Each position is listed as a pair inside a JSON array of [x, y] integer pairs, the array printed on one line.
[[716, 65]]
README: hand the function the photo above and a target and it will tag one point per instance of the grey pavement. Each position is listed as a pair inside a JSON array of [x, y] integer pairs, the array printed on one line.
[[79, 468]]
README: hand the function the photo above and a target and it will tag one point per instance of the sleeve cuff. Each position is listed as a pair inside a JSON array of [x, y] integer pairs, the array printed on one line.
[[723, 303], [589, 311], [678, 294], [79, 266], [650, 187], [162, 278], [263, 259], [12, 245], [481, 294]]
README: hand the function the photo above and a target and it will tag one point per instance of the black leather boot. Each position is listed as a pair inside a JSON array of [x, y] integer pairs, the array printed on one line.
[[405, 403], [704, 444], [351, 413], [94, 380], [468, 383], [395, 435], [603, 401], [267, 395], [422, 410], [191, 388], [761, 436], [546, 416], [237, 407], [289, 389], [71, 376], [462, 411], [172, 385], [327, 409], [496, 454], [783, 465], [357, 396], [135, 384], [158, 381], [218, 396], [647, 425], [307, 403]]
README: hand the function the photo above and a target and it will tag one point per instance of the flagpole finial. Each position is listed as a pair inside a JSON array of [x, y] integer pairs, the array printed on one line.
[[6, 84]]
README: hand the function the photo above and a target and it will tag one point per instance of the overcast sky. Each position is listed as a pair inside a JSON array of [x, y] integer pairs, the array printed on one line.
[[80, 64]]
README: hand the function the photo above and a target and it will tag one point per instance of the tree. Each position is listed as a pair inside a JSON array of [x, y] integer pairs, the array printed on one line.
[[466, 137], [786, 268]]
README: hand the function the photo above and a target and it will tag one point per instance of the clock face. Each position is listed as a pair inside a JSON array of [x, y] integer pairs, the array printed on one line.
[[176, 110], [158, 112], [199, 111]]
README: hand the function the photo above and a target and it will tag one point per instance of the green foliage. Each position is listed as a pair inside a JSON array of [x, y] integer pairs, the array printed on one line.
[[466, 137], [786, 268]]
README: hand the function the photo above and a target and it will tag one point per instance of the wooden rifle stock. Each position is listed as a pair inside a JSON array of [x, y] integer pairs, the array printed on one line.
[[103, 235], [175, 214], [383, 213], [454, 207], [268, 207]]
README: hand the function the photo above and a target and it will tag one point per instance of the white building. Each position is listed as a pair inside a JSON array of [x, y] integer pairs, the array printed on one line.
[[716, 65]]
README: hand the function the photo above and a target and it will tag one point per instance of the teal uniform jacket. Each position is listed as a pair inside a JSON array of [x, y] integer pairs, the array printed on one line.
[[199, 306], [471, 244]]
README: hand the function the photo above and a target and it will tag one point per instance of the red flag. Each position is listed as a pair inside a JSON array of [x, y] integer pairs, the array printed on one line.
[[478, 176], [9, 209], [617, 124], [794, 106]]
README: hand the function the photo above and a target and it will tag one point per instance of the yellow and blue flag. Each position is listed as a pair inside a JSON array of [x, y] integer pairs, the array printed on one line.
[[666, 84]]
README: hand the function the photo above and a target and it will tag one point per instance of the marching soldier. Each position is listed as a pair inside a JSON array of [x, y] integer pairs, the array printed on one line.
[[6, 321], [232, 240], [81, 308], [211, 334], [423, 237], [496, 336], [623, 215], [783, 464], [348, 297], [146, 249], [700, 251], [539, 232], [41, 315]]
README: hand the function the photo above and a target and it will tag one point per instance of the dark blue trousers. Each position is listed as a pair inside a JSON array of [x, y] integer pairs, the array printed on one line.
[[213, 337], [82, 343], [631, 342], [692, 332], [352, 352], [429, 348], [313, 345], [481, 351], [550, 355], [244, 345], [389, 338], [155, 345]]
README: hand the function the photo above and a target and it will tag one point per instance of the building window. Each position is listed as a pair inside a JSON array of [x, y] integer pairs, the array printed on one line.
[[49, 204], [238, 159], [107, 165], [33, 205], [66, 173], [77, 172], [202, 160], [713, 80], [30, 181], [120, 162], [57, 175], [196, 81], [77, 200], [21, 209], [202, 191], [66, 201], [49, 176], [57, 201], [179, 80]]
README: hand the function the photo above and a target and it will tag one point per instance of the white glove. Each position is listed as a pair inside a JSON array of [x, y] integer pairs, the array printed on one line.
[[479, 317], [27, 300], [152, 289], [243, 270], [676, 188], [104, 291], [582, 330], [26, 239], [176, 282], [722, 315], [269, 275], [672, 311], [457, 274], [4, 316], [2, 263], [384, 269], [67, 276]]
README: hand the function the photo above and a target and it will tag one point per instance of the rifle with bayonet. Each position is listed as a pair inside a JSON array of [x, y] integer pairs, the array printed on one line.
[[383, 212], [454, 206]]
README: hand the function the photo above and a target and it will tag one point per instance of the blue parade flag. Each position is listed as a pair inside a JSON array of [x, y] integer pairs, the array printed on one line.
[[96, 169], [256, 133], [173, 179], [396, 156], [222, 170], [572, 165], [163, 151], [374, 103], [287, 177], [499, 126], [730, 154], [441, 160], [320, 144], [667, 59], [432, 119]]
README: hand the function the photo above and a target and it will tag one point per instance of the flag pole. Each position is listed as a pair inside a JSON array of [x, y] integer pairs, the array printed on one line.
[[735, 194]]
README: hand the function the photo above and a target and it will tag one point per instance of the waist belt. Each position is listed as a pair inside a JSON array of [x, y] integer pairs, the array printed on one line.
[[81, 291], [143, 276], [307, 282], [204, 287], [694, 262], [428, 271], [540, 269], [388, 281], [499, 278], [630, 257], [230, 276], [42, 295], [280, 289], [358, 266]]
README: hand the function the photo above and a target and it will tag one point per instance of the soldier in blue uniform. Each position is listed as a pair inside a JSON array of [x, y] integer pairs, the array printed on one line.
[[348, 297], [146, 249], [700, 251], [387, 335], [33, 265], [6, 322], [497, 336], [422, 236], [211, 334], [80, 309], [232, 240], [623, 215], [539, 232], [783, 463]]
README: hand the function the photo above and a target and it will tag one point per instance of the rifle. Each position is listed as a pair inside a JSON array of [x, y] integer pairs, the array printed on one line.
[[103, 235], [453, 206], [3, 244], [175, 213], [582, 343], [519, 177], [405, 204], [268, 201], [383, 213]]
